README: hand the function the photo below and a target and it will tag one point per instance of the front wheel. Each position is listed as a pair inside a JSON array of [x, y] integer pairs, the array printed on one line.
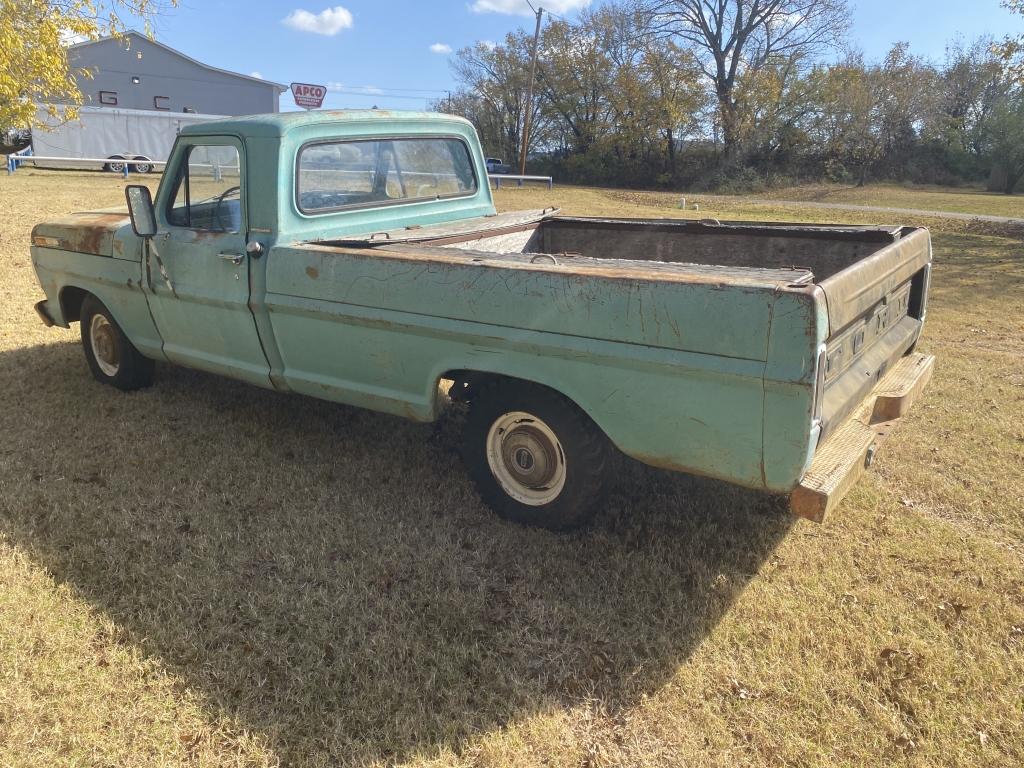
[[534, 456], [112, 358], [145, 166]]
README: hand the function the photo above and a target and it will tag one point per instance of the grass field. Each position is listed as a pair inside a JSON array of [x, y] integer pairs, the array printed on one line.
[[204, 573], [899, 196]]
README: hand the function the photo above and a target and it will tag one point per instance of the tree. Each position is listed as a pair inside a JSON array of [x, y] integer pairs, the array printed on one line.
[[1012, 48], [575, 78], [847, 121], [732, 37], [34, 35], [772, 105], [971, 82], [1007, 141], [675, 98], [494, 79], [903, 85]]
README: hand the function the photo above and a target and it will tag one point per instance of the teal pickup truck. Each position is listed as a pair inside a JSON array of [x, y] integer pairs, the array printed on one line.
[[356, 256]]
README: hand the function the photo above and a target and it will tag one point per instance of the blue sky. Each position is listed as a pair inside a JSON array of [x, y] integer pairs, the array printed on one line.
[[395, 53]]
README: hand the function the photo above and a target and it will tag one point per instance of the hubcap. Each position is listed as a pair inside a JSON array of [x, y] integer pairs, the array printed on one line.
[[103, 340], [526, 458]]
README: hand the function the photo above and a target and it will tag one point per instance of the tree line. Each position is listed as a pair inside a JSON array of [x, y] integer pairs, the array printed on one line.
[[743, 93]]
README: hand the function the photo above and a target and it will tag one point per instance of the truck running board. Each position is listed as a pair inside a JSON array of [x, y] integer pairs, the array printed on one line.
[[849, 451]]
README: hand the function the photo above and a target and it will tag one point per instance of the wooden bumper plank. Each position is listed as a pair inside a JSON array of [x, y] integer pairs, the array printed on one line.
[[836, 467], [901, 387], [841, 460]]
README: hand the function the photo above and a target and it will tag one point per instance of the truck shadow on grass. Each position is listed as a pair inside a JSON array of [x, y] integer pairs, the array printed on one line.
[[326, 575]]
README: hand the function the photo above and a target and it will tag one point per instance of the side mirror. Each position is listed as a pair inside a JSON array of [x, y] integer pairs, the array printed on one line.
[[140, 208]]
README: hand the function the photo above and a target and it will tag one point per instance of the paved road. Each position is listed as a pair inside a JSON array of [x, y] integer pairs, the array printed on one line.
[[908, 211]]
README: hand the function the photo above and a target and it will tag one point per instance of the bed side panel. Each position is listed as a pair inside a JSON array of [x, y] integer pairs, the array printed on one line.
[[378, 333]]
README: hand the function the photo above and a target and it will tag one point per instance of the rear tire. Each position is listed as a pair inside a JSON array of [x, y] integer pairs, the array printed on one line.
[[534, 456], [146, 166], [112, 358], [115, 164]]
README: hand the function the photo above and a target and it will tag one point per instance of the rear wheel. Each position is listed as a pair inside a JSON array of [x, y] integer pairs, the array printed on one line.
[[112, 358], [534, 456], [115, 164], [142, 164]]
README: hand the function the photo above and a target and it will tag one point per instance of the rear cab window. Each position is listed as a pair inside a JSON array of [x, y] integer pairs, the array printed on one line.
[[362, 173]]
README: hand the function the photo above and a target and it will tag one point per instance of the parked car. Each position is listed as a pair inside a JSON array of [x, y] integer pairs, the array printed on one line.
[[358, 257], [495, 165]]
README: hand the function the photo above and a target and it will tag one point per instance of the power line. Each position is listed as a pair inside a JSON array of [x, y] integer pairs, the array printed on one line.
[[377, 89], [372, 96]]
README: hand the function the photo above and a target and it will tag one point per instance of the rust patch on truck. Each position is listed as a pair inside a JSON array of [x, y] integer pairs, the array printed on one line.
[[313, 273], [577, 266], [90, 232], [88, 239]]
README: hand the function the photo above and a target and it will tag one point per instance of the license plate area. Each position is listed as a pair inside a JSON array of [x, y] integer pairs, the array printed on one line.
[[844, 350]]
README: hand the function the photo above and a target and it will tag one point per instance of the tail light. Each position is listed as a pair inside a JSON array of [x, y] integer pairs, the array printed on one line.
[[819, 384]]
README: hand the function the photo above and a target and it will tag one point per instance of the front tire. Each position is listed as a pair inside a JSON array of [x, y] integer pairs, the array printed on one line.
[[145, 166], [112, 358], [534, 456]]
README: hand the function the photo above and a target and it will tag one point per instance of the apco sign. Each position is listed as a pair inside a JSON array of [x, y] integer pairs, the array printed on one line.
[[308, 95]]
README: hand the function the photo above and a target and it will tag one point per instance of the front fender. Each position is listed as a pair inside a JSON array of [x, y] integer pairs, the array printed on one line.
[[115, 282]]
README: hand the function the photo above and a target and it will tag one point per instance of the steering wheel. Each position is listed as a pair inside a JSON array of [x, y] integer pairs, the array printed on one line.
[[219, 204]]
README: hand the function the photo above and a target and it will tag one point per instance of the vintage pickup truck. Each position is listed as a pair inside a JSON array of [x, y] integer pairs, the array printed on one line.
[[356, 256]]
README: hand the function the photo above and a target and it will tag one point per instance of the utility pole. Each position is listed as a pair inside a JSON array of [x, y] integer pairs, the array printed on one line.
[[529, 92]]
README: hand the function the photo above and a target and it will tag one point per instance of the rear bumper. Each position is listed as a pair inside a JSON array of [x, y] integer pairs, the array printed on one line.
[[850, 449], [43, 310]]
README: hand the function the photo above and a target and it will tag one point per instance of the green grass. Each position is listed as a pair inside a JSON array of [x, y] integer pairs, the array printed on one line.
[[204, 573]]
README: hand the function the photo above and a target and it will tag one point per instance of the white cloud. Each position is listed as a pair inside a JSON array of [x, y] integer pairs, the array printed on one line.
[[329, 21], [522, 8], [490, 45], [256, 74], [440, 48]]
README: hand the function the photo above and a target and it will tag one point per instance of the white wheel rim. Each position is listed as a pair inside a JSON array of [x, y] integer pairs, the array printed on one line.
[[526, 458], [103, 340], [117, 167]]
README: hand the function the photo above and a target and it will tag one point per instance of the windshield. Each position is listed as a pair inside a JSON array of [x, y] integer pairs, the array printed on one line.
[[346, 174]]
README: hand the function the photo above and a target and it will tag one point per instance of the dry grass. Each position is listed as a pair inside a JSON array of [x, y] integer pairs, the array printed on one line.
[[205, 573], [965, 200]]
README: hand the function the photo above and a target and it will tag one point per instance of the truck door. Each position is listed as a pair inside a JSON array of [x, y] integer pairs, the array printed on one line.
[[198, 265]]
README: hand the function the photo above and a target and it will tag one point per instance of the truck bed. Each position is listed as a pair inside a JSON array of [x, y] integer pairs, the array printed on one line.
[[873, 277]]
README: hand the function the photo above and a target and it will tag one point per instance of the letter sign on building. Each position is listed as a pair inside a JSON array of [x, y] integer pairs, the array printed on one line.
[[309, 96]]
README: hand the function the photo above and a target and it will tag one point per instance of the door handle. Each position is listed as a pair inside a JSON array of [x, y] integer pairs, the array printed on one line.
[[234, 258]]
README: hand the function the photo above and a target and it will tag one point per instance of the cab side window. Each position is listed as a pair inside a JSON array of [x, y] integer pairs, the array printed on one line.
[[207, 191]]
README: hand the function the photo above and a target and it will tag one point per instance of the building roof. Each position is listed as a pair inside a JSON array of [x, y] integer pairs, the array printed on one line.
[[276, 124], [140, 36]]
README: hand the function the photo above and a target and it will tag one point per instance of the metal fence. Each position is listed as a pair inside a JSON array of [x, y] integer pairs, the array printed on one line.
[[497, 178], [19, 158]]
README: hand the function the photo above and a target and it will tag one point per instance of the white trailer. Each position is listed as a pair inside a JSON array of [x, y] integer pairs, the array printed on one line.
[[109, 138]]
